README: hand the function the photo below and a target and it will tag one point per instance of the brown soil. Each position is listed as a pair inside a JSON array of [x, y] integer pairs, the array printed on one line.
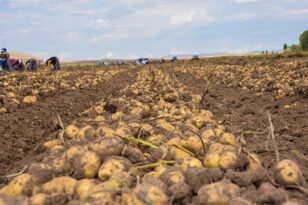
[[23, 132], [245, 113]]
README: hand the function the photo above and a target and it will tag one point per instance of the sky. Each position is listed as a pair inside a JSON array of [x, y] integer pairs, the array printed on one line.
[[95, 29]]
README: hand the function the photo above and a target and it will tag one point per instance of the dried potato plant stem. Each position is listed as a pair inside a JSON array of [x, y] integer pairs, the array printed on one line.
[[203, 144], [17, 174], [272, 134], [139, 141]]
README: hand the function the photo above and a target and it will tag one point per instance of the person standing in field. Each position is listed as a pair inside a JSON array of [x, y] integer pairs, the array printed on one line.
[[31, 64], [4, 60], [53, 61]]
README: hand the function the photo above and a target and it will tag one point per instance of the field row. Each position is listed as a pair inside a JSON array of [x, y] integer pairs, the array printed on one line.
[[280, 78], [152, 143], [27, 88]]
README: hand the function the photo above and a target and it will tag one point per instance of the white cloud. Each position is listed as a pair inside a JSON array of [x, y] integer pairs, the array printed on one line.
[[296, 12], [99, 23], [175, 51], [182, 18], [65, 55], [246, 49], [244, 16]]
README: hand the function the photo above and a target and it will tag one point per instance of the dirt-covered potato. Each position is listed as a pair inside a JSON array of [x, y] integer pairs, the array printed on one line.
[[239, 201], [44, 199], [49, 145], [247, 177], [41, 173], [254, 162], [105, 132], [22, 184], [8, 200], [163, 124], [84, 188], [113, 165], [229, 139], [211, 160], [86, 165], [172, 176], [63, 185], [190, 162], [145, 194], [86, 132], [29, 100], [288, 172], [107, 146], [219, 193], [71, 131], [118, 180]]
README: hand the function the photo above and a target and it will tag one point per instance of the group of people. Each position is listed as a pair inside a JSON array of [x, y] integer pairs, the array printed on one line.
[[8, 64]]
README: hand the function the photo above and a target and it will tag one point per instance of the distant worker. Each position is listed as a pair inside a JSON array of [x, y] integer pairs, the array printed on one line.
[[31, 64], [16, 64], [4, 57], [53, 61]]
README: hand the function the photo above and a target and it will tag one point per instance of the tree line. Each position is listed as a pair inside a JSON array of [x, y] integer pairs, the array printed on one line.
[[301, 46]]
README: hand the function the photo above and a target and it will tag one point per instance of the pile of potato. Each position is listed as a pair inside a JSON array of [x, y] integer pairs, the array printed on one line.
[[280, 78], [26, 88], [151, 144]]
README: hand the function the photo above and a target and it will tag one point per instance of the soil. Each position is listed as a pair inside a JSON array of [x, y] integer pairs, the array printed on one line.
[[24, 131], [244, 113]]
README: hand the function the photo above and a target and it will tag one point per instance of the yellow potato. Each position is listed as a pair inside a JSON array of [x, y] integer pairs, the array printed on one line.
[[190, 162], [51, 144], [228, 139], [111, 166], [99, 109], [63, 185], [211, 160], [87, 165], [38, 199], [288, 172], [85, 132], [29, 99], [227, 160], [22, 184], [254, 162], [165, 125], [3, 110], [105, 132], [85, 188], [71, 131], [219, 193], [148, 194]]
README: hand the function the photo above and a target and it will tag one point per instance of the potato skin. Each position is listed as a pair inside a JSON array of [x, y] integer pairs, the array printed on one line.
[[63, 185], [22, 184], [288, 172], [86, 165]]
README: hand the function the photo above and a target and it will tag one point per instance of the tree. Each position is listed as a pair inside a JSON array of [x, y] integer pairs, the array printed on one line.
[[303, 41], [295, 47], [285, 47]]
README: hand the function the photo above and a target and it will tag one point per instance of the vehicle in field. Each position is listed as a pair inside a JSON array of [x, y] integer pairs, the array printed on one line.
[[174, 58], [194, 58], [142, 61]]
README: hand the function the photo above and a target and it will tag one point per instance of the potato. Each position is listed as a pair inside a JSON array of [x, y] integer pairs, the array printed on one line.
[[86, 165], [211, 160], [165, 125], [85, 188], [29, 100], [71, 131], [145, 194], [254, 162], [118, 180], [287, 172], [193, 144], [117, 116], [63, 185], [219, 193], [85, 132], [74, 151], [190, 162], [105, 132], [17, 200], [99, 109], [229, 139], [113, 165], [39, 199], [49, 145], [172, 176], [22, 184], [227, 160], [3, 110], [108, 146], [41, 173], [178, 154]]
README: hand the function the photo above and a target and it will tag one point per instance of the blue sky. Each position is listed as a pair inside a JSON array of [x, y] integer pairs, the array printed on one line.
[[92, 29]]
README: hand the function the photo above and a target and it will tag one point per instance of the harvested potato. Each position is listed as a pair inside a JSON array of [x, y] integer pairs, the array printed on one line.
[[165, 125], [86, 165], [63, 185], [3, 110], [71, 131], [41, 173], [172, 176], [22, 184], [219, 193], [253, 162], [113, 165], [39, 199], [211, 160], [288, 172], [86, 132], [190, 162], [147, 194], [107, 146], [229, 139], [51, 144], [227, 160], [85, 188], [29, 100], [118, 180], [105, 132]]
